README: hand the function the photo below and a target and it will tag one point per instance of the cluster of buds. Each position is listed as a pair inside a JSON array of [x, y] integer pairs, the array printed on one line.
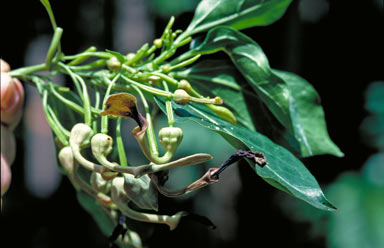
[[117, 187]]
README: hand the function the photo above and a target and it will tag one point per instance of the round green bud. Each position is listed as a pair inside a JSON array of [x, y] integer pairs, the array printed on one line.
[[181, 97], [130, 56], [113, 64], [165, 68], [170, 137], [158, 43], [184, 85]]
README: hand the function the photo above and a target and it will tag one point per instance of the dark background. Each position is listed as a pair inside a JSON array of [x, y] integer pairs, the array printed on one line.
[[340, 54]]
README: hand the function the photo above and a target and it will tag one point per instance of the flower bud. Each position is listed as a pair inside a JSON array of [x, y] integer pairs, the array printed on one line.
[[113, 64], [101, 144], [170, 137], [66, 160], [81, 135], [184, 85], [12, 98], [141, 191], [181, 97], [165, 68], [224, 113], [130, 56], [158, 43]]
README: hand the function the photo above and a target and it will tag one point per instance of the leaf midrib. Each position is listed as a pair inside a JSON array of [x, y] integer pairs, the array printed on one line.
[[220, 21]]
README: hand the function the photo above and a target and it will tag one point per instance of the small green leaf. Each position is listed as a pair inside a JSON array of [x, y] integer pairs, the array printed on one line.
[[237, 14], [284, 170], [292, 100]]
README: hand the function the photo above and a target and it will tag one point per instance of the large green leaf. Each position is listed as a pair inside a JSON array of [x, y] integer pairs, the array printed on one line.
[[279, 91], [207, 75], [237, 14], [284, 170], [307, 116]]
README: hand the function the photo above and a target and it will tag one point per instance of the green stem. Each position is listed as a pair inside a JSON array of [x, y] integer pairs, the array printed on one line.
[[120, 144], [103, 55], [54, 118], [55, 128], [83, 57], [47, 6], [67, 102], [140, 54], [20, 72], [55, 43], [86, 100], [168, 27], [90, 66], [165, 77], [129, 69], [149, 89], [183, 57], [104, 119], [182, 42], [168, 106], [97, 103], [184, 63]]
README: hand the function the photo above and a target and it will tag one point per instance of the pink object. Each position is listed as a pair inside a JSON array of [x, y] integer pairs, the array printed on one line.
[[12, 98], [5, 175]]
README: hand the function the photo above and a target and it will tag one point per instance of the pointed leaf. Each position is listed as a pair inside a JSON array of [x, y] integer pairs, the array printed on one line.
[[278, 91], [308, 116], [284, 170]]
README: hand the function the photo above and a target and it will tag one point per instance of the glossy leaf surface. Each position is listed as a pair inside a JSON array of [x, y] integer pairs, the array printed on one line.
[[291, 99], [237, 14], [284, 170]]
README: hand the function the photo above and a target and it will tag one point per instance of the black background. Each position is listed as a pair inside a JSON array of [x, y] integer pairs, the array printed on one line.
[[340, 55]]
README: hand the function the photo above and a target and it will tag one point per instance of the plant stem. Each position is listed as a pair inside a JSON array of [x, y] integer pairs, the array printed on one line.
[[120, 144], [149, 89], [47, 6], [83, 57], [104, 119], [184, 63], [168, 105], [86, 101], [55, 128], [20, 72], [55, 43]]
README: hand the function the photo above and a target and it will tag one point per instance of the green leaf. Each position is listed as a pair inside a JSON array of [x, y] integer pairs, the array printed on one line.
[[282, 93], [237, 14], [307, 116], [284, 170], [219, 78]]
